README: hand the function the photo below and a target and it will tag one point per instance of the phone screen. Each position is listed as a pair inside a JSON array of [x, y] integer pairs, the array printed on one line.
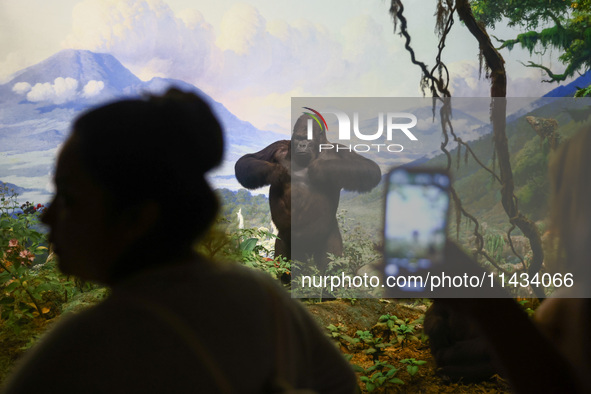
[[417, 203]]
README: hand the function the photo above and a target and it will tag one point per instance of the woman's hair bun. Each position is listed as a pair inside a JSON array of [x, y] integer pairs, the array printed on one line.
[[190, 117], [157, 147]]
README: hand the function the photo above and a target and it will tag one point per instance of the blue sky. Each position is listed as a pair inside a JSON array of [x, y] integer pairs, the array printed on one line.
[[254, 56]]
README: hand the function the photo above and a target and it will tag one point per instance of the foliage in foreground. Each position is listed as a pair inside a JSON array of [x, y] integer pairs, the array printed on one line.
[[388, 332], [31, 287]]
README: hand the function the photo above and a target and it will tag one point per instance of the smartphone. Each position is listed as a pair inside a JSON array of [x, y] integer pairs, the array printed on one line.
[[415, 229]]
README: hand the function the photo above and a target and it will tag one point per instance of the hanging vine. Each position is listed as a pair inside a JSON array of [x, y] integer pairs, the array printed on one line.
[[438, 86]]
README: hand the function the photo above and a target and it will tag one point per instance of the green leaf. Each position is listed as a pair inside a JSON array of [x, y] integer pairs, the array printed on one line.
[[349, 339], [248, 245], [11, 287], [391, 372], [43, 287], [396, 381]]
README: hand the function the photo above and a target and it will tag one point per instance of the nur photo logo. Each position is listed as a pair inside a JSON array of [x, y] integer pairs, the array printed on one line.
[[390, 123]]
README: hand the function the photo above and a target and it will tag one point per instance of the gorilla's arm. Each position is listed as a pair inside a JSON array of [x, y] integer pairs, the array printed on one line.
[[346, 170], [265, 167]]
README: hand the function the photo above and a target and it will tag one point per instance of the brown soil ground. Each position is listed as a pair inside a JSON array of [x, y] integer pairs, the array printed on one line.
[[364, 314], [357, 315]]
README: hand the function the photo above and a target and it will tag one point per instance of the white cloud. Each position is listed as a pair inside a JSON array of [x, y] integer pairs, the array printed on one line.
[[146, 36], [467, 81], [41, 92], [58, 92], [529, 84], [155, 67], [250, 58], [242, 28], [21, 87], [92, 88]]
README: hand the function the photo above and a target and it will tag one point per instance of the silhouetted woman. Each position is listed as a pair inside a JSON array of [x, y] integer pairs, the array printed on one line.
[[131, 201]]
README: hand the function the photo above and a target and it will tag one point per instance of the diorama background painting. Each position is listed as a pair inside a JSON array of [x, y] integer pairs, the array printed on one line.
[[247, 58]]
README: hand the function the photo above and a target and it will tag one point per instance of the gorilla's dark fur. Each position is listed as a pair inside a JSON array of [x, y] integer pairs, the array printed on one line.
[[305, 190]]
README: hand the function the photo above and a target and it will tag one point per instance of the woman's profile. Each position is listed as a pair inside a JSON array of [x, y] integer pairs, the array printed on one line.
[[131, 199]]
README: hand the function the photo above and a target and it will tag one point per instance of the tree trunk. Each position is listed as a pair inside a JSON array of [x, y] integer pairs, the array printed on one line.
[[498, 92]]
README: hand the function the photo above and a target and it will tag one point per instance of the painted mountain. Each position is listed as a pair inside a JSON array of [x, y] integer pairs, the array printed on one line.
[[38, 104]]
